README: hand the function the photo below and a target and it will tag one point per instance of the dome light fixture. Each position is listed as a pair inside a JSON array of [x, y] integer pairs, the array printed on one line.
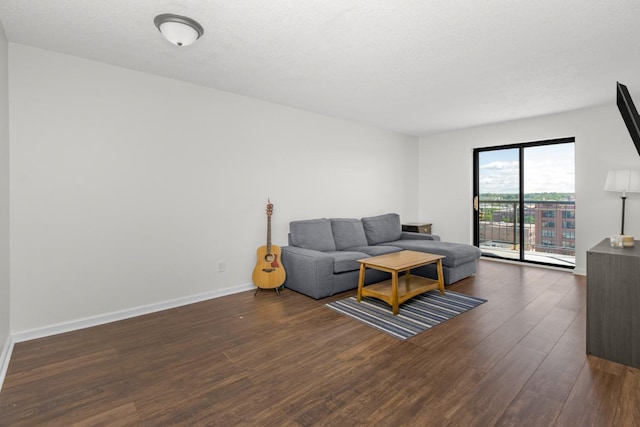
[[179, 30]]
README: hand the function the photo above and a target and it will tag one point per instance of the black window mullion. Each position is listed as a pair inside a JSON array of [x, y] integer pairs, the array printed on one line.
[[521, 200]]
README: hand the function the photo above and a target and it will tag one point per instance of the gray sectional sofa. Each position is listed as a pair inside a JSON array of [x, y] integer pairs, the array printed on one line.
[[321, 258]]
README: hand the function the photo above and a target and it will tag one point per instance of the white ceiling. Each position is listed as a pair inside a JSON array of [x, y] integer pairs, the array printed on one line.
[[413, 66]]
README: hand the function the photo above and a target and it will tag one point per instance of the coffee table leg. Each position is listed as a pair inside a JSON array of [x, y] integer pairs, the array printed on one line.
[[440, 277], [394, 292], [360, 282]]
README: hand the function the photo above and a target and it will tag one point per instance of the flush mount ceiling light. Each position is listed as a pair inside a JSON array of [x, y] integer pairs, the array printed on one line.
[[179, 30]]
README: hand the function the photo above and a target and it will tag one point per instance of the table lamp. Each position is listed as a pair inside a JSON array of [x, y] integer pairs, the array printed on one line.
[[623, 181]]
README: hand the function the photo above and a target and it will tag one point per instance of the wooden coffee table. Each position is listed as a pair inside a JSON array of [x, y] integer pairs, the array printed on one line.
[[399, 289]]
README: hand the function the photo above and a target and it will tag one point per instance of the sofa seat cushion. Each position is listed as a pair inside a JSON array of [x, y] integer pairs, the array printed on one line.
[[313, 234], [348, 233], [382, 228], [376, 250], [455, 253], [344, 261]]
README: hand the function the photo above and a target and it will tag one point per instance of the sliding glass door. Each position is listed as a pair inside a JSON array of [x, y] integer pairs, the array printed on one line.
[[524, 205]]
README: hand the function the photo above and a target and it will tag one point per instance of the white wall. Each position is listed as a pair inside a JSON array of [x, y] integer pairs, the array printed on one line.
[[602, 143], [128, 188], [4, 199]]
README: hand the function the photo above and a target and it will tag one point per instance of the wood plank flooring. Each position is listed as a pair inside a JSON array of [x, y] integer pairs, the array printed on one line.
[[517, 360]]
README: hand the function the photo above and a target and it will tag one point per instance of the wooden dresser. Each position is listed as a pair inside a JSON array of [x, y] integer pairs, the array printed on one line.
[[613, 303]]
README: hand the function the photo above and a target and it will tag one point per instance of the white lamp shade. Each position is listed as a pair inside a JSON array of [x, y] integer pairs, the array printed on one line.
[[178, 33], [623, 181]]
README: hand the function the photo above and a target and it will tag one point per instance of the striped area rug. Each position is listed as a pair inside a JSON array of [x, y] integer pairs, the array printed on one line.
[[416, 315]]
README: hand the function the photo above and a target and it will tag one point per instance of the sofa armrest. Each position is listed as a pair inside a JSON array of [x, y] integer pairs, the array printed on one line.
[[409, 235], [308, 272]]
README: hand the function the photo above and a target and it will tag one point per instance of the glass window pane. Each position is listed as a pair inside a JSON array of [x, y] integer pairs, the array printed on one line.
[[549, 190], [499, 182]]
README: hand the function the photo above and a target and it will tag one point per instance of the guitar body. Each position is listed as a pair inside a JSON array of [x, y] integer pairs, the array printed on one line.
[[268, 272]]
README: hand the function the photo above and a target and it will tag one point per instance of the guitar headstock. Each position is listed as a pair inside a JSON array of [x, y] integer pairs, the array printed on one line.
[[269, 208]]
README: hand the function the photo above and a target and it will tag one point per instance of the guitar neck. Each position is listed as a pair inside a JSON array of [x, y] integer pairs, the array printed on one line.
[[269, 234]]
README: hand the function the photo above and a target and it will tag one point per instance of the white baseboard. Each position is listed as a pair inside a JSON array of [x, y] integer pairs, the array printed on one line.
[[5, 356], [88, 322]]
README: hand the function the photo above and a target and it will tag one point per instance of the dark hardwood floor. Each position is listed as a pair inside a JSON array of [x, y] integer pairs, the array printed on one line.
[[517, 360]]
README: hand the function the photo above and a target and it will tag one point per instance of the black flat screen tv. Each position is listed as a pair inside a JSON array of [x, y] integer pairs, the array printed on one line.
[[629, 114]]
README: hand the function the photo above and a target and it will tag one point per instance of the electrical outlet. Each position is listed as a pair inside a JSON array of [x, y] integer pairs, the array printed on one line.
[[220, 266]]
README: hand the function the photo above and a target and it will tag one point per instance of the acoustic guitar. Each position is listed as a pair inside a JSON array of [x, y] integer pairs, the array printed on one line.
[[268, 272]]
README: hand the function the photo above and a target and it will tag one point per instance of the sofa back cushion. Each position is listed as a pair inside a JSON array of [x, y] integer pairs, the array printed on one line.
[[348, 233], [382, 228], [313, 234]]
